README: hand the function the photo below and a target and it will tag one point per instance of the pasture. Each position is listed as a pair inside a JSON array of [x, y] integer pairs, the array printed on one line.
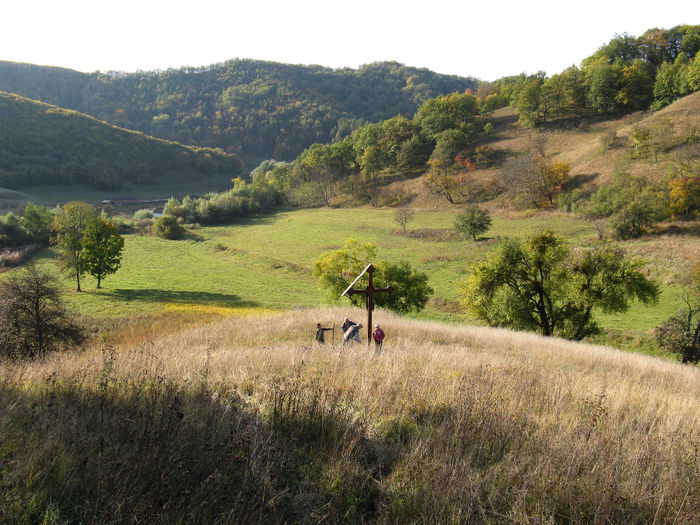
[[265, 263]]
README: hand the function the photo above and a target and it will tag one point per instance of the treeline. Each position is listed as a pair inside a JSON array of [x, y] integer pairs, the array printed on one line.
[[31, 225], [221, 208], [356, 165], [43, 144], [353, 169], [628, 74], [254, 108]]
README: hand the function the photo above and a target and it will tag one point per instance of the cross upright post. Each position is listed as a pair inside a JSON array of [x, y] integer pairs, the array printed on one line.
[[369, 294]]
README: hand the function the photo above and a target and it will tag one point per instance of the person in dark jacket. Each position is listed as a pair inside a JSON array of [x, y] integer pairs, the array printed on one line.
[[320, 336], [347, 323]]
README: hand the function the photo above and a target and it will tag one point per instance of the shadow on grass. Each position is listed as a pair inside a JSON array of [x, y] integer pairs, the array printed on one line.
[[191, 236], [168, 454], [150, 295], [680, 228], [254, 220]]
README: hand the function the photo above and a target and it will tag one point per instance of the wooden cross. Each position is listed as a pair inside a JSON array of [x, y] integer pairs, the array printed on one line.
[[369, 292]]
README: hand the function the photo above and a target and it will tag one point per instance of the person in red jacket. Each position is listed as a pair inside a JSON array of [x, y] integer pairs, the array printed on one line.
[[378, 336]]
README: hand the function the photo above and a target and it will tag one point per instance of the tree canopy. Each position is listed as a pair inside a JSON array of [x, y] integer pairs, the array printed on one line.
[[336, 269], [69, 228], [254, 108], [102, 248], [538, 284]]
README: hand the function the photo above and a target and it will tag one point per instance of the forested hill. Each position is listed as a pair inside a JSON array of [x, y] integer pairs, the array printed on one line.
[[44, 144], [254, 108]]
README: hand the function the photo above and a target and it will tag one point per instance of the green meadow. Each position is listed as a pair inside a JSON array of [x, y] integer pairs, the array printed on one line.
[[265, 263]]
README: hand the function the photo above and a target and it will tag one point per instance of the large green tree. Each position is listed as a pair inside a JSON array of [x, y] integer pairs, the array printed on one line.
[[102, 248], [336, 269], [456, 111], [538, 284], [69, 228]]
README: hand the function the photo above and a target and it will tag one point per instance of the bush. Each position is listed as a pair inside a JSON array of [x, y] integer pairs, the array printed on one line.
[[634, 219], [33, 320], [632, 204], [143, 214], [473, 221], [11, 257], [168, 227]]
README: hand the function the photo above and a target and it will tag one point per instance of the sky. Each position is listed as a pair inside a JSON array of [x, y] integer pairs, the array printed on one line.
[[483, 39]]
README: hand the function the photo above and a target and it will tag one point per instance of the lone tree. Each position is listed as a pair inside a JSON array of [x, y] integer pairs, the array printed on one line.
[[402, 216], [537, 284], [69, 228], [102, 248], [33, 319], [336, 269], [473, 221]]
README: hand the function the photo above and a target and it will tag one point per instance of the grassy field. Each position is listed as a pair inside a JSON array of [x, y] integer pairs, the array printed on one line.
[[243, 420], [265, 263]]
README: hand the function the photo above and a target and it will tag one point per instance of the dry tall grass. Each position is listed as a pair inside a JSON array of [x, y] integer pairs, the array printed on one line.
[[246, 420]]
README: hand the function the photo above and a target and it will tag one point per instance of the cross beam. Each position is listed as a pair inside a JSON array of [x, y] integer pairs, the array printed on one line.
[[369, 293]]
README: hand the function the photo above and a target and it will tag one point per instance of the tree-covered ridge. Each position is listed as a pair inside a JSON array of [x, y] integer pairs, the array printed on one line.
[[441, 129], [254, 108], [43, 144], [627, 74]]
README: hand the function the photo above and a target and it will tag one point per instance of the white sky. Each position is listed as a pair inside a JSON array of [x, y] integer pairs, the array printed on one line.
[[484, 39]]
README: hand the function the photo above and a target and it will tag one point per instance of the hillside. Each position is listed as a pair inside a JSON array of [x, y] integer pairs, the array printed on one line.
[[579, 142], [254, 108], [43, 144], [242, 419]]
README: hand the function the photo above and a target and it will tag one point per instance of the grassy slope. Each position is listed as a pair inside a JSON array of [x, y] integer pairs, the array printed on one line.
[[580, 146], [243, 420], [267, 261]]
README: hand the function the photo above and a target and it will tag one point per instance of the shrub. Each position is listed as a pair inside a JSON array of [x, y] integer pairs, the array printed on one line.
[[632, 204], [11, 257], [143, 214], [168, 227]]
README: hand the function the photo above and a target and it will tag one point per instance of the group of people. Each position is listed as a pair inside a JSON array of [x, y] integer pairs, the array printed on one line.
[[351, 332]]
